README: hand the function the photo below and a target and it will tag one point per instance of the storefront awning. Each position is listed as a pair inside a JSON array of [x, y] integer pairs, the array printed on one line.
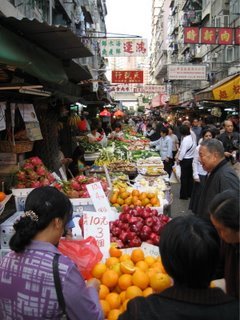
[[77, 72], [57, 40], [227, 89], [20, 53]]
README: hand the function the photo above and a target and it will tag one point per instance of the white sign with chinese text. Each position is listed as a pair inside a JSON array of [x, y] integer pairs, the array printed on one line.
[[98, 223], [123, 47], [186, 72]]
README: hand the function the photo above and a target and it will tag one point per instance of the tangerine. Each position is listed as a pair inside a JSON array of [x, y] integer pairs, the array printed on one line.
[[149, 260], [105, 307], [135, 192], [111, 261], [127, 267], [125, 281], [122, 296], [114, 300], [98, 270], [142, 196], [160, 281], [115, 252], [103, 291], [140, 279], [124, 257], [137, 255], [142, 264], [110, 278], [114, 314], [132, 292], [147, 291], [124, 305]]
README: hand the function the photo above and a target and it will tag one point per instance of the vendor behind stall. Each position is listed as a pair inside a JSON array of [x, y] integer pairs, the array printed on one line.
[[94, 135], [117, 133], [78, 165]]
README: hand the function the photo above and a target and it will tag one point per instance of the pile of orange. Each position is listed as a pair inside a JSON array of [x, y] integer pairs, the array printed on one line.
[[126, 276], [136, 198]]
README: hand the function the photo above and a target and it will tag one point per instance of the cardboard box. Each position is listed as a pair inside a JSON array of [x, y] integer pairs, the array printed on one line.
[[8, 158], [6, 229]]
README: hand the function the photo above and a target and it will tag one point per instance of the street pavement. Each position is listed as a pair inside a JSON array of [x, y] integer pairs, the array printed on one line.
[[178, 207]]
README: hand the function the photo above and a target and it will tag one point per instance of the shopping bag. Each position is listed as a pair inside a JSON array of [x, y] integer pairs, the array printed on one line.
[[85, 253], [173, 178], [177, 171]]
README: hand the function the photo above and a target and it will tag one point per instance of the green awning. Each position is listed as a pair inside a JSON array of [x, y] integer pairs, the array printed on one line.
[[22, 54]]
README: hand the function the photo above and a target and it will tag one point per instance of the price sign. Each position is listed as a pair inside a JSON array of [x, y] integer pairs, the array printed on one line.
[[99, 199], [97, 225], [150, 250]]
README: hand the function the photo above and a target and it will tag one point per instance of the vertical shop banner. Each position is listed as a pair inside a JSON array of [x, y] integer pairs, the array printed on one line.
[[127, 76], [237, 36], [123, 47], [225, 36], [191, 35], [2, 116], [208, 35]]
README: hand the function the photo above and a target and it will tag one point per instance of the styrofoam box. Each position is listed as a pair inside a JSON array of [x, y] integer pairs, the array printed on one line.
[[20, 196], [6, 229]]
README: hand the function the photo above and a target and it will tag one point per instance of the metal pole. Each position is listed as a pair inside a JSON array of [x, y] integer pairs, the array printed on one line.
[[50, 11]]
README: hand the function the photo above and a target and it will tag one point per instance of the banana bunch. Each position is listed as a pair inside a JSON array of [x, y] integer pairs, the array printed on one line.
[[105, 158], [73, 120], [118, 184]]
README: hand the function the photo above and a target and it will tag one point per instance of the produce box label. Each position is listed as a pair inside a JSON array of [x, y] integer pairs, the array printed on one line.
[[99, 199]]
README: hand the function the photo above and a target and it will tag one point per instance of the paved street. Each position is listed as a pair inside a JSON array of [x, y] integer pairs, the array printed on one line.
[[178, 207]]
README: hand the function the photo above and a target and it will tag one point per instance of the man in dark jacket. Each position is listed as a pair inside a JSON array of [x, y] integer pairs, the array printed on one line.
[[221, 175], [230, 141]]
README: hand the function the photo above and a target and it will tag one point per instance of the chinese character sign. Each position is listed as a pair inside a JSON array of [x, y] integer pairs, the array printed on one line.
[[186, 72], [208, 35], [228, 91], [127, 76], [123, 47], [221, 36], [225, 36], [191, 35]]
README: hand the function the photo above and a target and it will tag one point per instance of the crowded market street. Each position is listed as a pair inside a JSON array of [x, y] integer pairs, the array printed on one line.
[[119, 159]]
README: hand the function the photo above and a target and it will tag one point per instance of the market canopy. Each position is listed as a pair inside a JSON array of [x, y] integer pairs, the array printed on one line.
[[227, 89], [105, 113], [58, 40], [118, 113]]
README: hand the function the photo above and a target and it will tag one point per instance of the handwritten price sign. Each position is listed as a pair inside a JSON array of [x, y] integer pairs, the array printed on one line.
[[96, 224]]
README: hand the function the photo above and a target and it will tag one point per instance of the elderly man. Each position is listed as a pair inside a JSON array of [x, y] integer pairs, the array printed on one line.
[[221, 175], [230, 141]]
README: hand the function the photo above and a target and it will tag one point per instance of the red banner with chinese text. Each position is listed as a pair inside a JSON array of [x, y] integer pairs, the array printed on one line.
[[221, 36], [237, 36], [191, 35], [208, 35], [119, 76], [225, 36]]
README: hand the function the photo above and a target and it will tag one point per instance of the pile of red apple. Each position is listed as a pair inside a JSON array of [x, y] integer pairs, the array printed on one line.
[[136, 225]]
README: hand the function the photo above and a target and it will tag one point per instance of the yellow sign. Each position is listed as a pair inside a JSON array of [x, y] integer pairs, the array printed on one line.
[[228, 91]]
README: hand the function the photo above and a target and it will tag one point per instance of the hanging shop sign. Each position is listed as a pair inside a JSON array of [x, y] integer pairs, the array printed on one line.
[[221, 36], [139, 88], [127, 76], [174, 100], [186, 72], [123, 47], [159, 100], [228, 91]]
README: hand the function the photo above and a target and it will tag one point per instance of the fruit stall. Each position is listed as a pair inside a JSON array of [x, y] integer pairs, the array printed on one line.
[[119, 212]]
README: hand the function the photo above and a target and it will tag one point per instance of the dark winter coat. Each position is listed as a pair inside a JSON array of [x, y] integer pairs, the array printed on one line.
[[183, 303], [222, 177]]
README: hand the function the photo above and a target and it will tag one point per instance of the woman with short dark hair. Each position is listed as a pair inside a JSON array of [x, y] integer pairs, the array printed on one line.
[[189, 248], [27, 287], [224, 214]]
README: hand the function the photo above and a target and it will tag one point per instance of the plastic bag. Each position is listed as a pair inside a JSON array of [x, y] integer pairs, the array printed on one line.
[[177, 171], [173, 178], [85, 253]]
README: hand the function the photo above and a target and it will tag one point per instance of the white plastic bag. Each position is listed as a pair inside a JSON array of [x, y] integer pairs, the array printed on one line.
[[173, 178], [177, 171]]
